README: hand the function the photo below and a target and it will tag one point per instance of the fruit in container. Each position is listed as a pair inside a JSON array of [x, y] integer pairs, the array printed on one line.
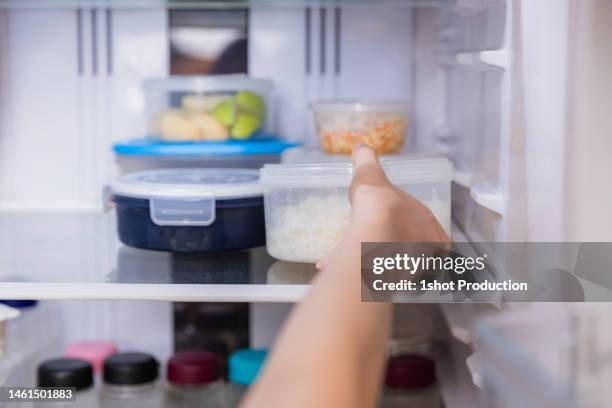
[[225, 112], [246, 124], [212, 117], [175, 125], [251, 102], [209, 127]]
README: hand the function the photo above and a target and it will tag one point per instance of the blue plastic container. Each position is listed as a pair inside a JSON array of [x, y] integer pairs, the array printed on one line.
[[190, 210]]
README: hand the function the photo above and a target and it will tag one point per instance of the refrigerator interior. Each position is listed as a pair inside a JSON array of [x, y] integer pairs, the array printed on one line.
[[497, 86]]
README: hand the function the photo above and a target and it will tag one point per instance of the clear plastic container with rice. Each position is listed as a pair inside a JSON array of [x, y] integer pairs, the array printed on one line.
[[380, 124], [307, 208]]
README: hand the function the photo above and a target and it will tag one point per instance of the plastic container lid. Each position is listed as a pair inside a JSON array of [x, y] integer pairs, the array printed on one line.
[[160, 148], [130, 369], [313, 175], [65, 372], [410, 372], [301, 155], [210, 83], [189, 183], [244, 365], [193, 367], [187, 197], [93, 351], [20, 304], [361, 105]]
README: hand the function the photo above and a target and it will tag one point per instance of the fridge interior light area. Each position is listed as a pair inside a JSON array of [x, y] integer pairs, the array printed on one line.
[[515, 93]]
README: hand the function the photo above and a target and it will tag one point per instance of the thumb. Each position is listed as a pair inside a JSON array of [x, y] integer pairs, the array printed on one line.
[[367, 169], [363, 154]]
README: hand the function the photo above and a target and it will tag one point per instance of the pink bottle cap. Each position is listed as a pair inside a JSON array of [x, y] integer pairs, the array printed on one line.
[[94, 351]]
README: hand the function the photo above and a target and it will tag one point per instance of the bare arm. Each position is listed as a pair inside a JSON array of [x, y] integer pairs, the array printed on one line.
[[332, 350]]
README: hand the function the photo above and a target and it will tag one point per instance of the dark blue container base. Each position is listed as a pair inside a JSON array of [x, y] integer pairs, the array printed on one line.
[[239, 224]]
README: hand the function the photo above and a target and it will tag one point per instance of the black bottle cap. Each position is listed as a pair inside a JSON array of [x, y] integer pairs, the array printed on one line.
[[65, 372], [130, 369]]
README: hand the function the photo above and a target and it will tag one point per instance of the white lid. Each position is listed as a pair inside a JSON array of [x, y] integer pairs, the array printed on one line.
[[210, 83], [314, 154], [189, 183], [402, 171]]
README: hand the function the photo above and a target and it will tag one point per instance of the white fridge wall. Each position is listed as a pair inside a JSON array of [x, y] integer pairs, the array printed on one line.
[[40, 142], [70, 87]]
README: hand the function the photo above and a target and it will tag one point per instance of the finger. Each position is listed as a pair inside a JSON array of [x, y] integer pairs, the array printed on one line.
[[321, 263], [367, 169], [363, 154]]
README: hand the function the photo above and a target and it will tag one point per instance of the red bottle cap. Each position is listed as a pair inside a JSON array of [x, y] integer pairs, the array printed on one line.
[[410, 372], [193, 367]]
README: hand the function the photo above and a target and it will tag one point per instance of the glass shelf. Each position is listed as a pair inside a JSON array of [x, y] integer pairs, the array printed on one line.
[[76, 255]]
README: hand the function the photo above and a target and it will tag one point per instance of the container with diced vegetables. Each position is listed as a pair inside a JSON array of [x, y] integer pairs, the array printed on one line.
[[209, 108], [380, 124]]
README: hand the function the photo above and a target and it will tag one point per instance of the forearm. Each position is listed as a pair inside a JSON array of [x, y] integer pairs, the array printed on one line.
[[332, 350]]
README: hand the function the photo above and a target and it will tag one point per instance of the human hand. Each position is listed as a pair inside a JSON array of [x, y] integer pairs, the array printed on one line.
[[379, 209], [383, 213]]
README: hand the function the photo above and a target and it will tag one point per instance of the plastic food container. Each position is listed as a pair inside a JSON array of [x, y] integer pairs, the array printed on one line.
[[211, 108], [190, 210], [150, 154], [380, 124], [307, 206]]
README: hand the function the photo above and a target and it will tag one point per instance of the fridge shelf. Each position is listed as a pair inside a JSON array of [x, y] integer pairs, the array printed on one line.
[[57, 254], [76, 255]]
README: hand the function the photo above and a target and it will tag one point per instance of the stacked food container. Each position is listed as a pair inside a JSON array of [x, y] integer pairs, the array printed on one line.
[[197, 208], [215, 121], [307, 207], [191, 185]]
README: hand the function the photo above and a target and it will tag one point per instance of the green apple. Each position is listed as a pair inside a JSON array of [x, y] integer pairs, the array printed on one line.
[[225, 112], [252, 103], [245, 125]]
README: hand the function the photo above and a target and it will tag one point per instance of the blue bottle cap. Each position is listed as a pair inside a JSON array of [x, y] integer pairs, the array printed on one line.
[[19, 304], [245, 364]]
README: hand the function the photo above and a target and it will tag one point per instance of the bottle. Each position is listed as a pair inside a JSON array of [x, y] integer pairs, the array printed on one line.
[[194, 380], [68, 372], [410, 382], [130, 381], [244, 366]]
